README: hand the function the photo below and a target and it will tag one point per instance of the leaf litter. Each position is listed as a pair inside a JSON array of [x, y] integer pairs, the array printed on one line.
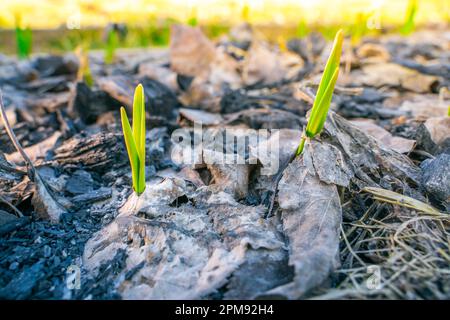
[[351, 206]]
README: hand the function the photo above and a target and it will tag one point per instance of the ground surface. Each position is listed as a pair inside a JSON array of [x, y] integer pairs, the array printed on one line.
[[216, 231]]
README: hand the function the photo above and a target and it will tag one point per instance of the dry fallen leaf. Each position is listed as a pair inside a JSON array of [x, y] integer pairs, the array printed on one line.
[[439, 128], [425, 106], [393, 75], [371, 53], [262, 65], [398, 144], [191, 52]]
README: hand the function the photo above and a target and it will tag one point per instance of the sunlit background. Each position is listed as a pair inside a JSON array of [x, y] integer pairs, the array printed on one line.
[[61, 25], [54, 13]]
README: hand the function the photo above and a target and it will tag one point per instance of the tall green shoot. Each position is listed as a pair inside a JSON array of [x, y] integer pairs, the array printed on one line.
[[324, 94], [135, 139]]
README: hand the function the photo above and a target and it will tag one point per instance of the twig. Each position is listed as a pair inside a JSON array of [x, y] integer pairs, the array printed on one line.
[[9, 204], [30, 167], [31, 170]]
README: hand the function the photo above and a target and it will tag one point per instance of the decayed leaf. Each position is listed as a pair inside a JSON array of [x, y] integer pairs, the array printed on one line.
[[311, 215], [43, 202], [398, 144], [226, 71], [191, 52], [188, 252], [261, 65], [425, 106], [369, 162], [394, 75], [161, 74], [439, 129], [372, 53], [200, 116], [37, 151]]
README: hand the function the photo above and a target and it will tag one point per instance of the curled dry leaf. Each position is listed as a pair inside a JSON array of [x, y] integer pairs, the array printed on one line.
[[191, 52], [439, 129], [188, 252], [425, 106], [375, 75], [311, 216], [372, 53], [398, 144]]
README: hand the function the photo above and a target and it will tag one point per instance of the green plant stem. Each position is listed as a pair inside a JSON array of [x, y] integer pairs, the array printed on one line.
[[301, 146]]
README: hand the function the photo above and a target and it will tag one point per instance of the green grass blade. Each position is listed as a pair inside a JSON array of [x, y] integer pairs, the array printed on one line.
[[332, 63], [324, 94], [317, 119], [138, 108], [142, 143], [325, 91], [139, 133], [131, 149]]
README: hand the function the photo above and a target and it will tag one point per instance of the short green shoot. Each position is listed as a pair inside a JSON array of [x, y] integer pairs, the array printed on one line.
[[324, 93], [135, 139], [24, 39], [408, 25]]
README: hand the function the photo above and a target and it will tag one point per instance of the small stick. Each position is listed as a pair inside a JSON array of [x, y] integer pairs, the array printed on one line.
[[31, 170], [12, 136], [9, 204]]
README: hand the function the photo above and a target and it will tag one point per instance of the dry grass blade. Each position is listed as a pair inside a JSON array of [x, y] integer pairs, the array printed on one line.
[[401, 200]]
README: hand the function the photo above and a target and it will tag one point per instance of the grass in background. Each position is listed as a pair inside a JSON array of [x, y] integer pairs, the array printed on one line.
[[84, 70], [112, 43], [193, 21], [302, 29], [409, 25], [24, 39], [359, 28]]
